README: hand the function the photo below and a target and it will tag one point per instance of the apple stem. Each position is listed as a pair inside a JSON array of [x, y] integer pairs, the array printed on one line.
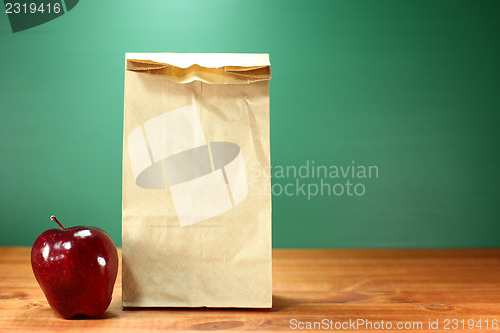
[[53, 218]]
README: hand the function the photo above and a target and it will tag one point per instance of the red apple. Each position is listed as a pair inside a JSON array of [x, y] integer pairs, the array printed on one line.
[[76, 269]]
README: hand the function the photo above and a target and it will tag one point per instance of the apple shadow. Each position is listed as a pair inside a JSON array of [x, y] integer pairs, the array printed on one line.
[[105, 315]]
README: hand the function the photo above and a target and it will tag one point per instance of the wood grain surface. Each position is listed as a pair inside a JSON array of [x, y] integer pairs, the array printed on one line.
[[325, 286]]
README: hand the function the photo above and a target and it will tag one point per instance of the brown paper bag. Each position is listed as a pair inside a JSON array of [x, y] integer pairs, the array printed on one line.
[[196, 181]]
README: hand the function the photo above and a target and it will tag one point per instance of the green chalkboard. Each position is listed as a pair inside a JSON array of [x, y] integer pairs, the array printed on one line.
[[393, 105]]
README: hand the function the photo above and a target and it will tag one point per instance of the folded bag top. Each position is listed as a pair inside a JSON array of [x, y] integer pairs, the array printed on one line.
[[213, 68]]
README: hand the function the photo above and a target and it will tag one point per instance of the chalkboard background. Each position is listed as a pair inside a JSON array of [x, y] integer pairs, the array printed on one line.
[[410, 87]]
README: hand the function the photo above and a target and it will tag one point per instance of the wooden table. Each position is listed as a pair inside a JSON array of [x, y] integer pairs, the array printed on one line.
[[333, 287]]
